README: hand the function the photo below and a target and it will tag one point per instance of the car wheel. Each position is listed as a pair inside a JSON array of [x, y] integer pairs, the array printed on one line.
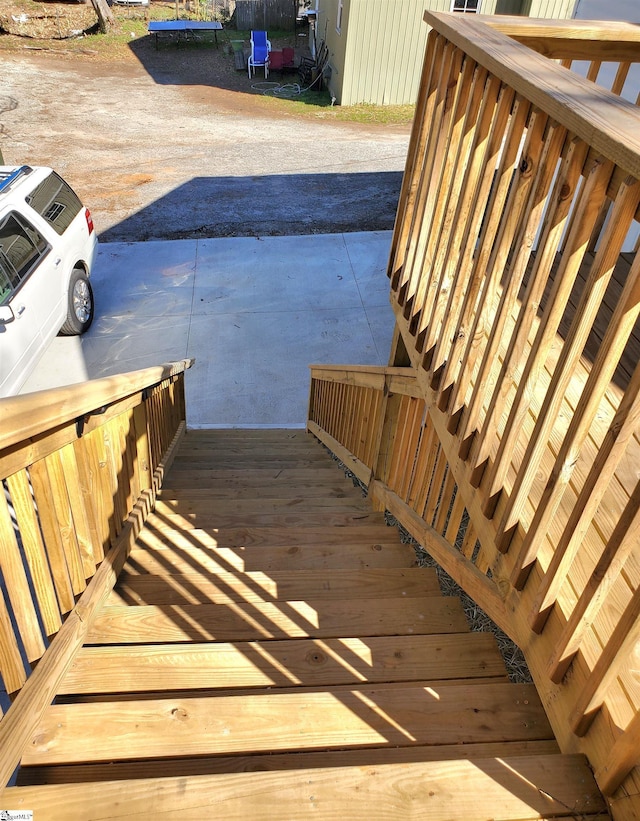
[[79, 305]]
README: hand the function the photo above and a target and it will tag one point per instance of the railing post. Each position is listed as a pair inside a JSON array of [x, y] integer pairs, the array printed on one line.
[[388, 424]]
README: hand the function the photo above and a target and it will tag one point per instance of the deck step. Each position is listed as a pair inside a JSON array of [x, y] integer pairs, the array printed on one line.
[[284, 663], [239, 535], [209, 765], [521, 787], [229, 586], [250, 487], [326, 618], [200, 551], [273, 650], [287, 519], [334, 718]]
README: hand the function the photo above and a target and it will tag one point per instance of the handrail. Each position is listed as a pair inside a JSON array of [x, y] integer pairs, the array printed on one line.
[[76, 463], [570, 39], [28, 414], [21, 720], [596, 115], [515, 283]]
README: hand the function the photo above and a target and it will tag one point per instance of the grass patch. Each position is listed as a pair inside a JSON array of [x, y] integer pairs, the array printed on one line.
[[72, 29], [318, 104]]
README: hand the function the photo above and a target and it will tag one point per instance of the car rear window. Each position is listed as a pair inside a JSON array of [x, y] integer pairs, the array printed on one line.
[[55, 202]]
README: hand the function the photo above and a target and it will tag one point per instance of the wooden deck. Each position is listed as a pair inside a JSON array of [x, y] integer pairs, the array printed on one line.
[[272, 650]]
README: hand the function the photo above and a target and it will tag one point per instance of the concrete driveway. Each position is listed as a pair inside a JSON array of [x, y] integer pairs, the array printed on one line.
[[254, 312], [253, 242]]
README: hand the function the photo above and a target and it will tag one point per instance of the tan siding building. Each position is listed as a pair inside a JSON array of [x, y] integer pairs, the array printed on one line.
[[376, 47]]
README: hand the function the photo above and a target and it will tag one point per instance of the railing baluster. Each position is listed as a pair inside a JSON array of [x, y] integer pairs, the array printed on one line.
[[444, 505], [566, 184], [618, 331], [621, 77], [53, 510], [34, 551], [82, 531], [433, 497], [14, 674], [585, 213], [624, 641], [489, 275], [458, 510]]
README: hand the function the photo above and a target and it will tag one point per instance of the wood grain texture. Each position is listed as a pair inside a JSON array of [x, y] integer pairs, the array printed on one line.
[[362, 717], [515, 788], [121, 624], [282, 663], [278, 585], [188, 555]]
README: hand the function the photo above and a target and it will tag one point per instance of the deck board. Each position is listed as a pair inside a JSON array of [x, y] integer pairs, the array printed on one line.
[[226, 586], [271, 620], [261, 628], [358, 717], [318, 518], [202, 553], [241, 535], [517, 788], [208, 765], [283, 663]]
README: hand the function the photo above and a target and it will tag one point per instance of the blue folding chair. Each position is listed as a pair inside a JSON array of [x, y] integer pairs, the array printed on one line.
[[260, 48]]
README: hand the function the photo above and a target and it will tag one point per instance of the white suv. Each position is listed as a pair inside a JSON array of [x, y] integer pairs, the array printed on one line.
[[47, 248]]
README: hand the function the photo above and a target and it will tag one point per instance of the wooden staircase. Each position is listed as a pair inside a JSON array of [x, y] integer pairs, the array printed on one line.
[[272, 650]]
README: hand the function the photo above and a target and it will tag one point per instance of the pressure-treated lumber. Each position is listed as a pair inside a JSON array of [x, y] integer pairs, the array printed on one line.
[[363, 669], [507, 789], [364, 717], [289, 662], [325, 618], [156, 768], [181, 555], [227, 586]]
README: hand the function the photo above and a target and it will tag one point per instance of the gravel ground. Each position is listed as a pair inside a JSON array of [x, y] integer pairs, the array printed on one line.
[[477, 619], [175, 143]]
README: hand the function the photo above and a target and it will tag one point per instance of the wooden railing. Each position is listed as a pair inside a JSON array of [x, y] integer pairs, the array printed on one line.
[[515, 282], [80, 468]]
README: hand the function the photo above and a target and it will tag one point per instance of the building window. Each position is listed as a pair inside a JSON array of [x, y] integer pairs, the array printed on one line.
[[469, 6], [339, 18]]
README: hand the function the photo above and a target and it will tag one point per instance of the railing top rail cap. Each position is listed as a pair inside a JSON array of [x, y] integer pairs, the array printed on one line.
[[605, 121], [32, 413], [597, 31]]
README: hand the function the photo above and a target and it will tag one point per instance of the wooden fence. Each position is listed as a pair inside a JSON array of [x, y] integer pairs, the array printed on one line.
[[266, 15], [514, 457]]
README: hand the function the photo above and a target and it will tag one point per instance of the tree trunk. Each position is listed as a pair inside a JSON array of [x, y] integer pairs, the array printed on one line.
[[105, 17]]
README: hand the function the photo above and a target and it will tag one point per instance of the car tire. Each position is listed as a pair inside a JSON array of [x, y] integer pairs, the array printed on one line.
[[79, 304]]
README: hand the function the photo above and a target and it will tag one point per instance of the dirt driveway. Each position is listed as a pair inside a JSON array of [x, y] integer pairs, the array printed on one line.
[[175, 143]]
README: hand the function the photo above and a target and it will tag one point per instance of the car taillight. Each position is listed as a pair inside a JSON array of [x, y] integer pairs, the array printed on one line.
[[87, 215]]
